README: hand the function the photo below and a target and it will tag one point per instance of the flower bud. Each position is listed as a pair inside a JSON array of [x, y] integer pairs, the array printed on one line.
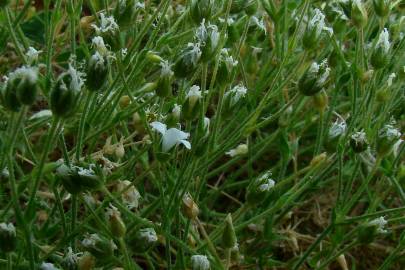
[[321, 100], [124, 13], [232, 99], [237, 6], [240, 150], [125, 101], [359, 14], [314, 29], [77, 179], [153, 57], [228, 235], [70, 261], [65, 92], [200, 10], [226, 67], [174, 116], [8, 237], [24, 82], [143, 240], [138, 123], [99, 246], [380, 56], [337, 129], [164, 85], [386, 139], [358, 142], [97, 71], [9, 98], [208, 37], [314, 79], [251, 7], [200, 262], [367, 232], [192, 104], [259, 189], [117, 226], [129, 194], [382, 7], [119, 149], [317, 160], [188, 60], [190, 208]]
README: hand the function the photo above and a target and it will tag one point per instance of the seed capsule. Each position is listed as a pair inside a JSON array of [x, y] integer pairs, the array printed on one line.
[[228, 235], [97, 71]]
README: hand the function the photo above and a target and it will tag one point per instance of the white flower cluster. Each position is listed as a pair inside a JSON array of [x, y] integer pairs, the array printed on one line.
[[107, 24], [384, 41], [266, 183], [380, 224]]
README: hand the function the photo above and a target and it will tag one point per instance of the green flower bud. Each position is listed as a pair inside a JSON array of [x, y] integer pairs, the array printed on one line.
[[367, 232], [380, 56], [188, 60], [314, 79], [359, 14], [65, 92], [251, 7], [200, 10], [232, 99], [78, 179], [358, 142], [99, 246], [321, 100], [226, 67], [382, 7], [237, 6], [153, 57], [192, 104], [9, 98], [8, 237], [314, 29], [164, 85], [386, 139], [23, 81], [143, 240], [97, 71], [258, 190], [228, 235], [337, 129], [190, 208], [66, 175], [117, 226], [202, 143], [208, 37]]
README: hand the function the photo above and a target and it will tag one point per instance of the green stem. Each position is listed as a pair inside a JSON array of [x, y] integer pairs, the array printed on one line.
[[13, 36], [81, 126]]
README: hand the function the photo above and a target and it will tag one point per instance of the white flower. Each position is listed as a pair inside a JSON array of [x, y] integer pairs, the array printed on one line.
[[230, 21], [390, 132], [207, 124], [384, 41], [26, 73], [266, 183], [391, 77], [317, 22], [241, 149], [124, 52], [338, 128], [48, 266], [98, 43], [236, 93], [359, 137], [193, 52], [41, 114], [77, 78], [323, 67], [166, 69], [85, 172], [194, 94], [32, 55], [171, 137], [260, 23], [8, 227], [148, 234], [227, 59], [107, 24], [112, 211], [396, 146], [200, 262], [71, 258], [380, 224], [129, 194], [205, 32], [176, 110]]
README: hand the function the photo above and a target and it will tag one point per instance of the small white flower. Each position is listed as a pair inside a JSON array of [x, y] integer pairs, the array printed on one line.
[[200, 262], [107, 24], [124, 52], [338, 128], [48, 266], [240, 150], [317, 22], [27, 73], [8, 227], [171, 137], [391, 77], [98, 43], [207, 124], [194, 94], [129, 194], [85, 172], [266, 182], [166, 69], [236, 93], [230, 21], [112, 211], [384, 41], [260, 23], [194, 52], [32, 55], [148, 234], [176, 110], [359, 137], [390, 132], [41, 114], [228, 59], [380, 224], [71, 258], [77, 78]]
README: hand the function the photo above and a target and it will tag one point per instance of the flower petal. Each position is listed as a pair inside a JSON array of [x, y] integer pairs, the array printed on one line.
[[173, 137], [159, 127]]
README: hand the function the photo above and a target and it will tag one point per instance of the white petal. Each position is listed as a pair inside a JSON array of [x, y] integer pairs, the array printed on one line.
[[160, 127], [172, 137], [187, 144]]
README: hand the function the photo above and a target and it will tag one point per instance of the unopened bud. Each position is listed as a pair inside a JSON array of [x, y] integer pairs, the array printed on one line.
[[143, 240], [117, 226], [359, 14], [358, 141], [8, 237], [382, 7], [317, 160], [200, 262], [86, 262], [200, 10], [228, 235], [190, 208], [321, 101], [125, 101]]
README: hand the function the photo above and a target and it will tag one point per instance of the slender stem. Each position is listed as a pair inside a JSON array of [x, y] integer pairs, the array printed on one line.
[[228, 258], [13, 36], [81, 126]]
